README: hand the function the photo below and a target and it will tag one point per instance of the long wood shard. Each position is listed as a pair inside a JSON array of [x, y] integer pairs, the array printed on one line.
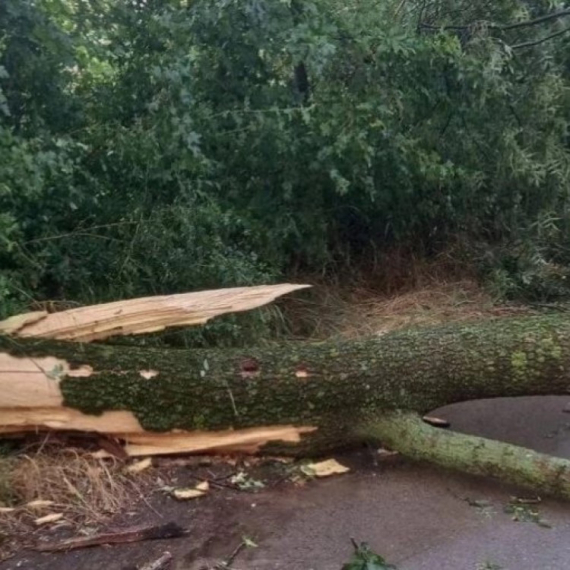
[[30, 392], [142, 315]]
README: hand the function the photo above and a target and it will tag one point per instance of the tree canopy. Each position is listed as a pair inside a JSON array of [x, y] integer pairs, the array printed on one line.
[[159, 146]]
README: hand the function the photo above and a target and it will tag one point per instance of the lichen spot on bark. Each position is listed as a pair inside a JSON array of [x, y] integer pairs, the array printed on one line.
[[301, 372], [148, 374], [551, 347], [83, 371], [519, 363]]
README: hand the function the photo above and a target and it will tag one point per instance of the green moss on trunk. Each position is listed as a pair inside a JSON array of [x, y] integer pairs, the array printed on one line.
[[409, 435], [316, 383]]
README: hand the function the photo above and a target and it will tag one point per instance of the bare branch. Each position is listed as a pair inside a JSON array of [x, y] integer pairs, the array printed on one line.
[[541, 20], [541, 40], [506, 27]]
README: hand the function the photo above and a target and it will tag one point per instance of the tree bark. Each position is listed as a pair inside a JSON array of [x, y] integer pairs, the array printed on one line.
[[333, 393], [413, 438]]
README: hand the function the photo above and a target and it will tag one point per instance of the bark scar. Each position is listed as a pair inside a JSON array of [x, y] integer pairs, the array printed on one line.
[[249, 368], [302, 372], [148, 374]]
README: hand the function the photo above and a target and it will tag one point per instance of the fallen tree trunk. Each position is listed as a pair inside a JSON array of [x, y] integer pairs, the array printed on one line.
[[294, 397]]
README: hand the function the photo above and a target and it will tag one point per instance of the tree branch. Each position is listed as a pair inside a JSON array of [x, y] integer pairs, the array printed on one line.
[[514, 26], [541, 40], [536, 21], [409, 435]]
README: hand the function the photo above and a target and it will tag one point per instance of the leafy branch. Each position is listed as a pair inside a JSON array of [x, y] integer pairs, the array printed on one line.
[[504, 27]]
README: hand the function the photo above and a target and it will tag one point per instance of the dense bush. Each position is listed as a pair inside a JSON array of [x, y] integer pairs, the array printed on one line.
[[152, 146]]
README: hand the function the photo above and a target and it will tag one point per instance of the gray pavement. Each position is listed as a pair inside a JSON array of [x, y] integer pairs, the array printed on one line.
[[419, 518]]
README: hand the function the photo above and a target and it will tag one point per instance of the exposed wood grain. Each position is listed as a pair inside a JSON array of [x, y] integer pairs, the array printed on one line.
[[142, 315]]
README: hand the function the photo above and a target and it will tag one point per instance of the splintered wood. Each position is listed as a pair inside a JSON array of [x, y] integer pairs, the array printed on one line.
[[30, 394], [143, 315]]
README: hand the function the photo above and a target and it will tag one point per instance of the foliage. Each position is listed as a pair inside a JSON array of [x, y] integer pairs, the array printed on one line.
[[162, 146], [364, 559], [525, 510], [489, 566]]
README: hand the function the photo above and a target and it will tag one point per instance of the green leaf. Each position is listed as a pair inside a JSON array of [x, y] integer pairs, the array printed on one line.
[[248, 542], [365, 559]]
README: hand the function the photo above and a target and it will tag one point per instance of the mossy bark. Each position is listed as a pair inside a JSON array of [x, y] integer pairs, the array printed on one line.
[[413, 438], [311, 383], [330, 385]]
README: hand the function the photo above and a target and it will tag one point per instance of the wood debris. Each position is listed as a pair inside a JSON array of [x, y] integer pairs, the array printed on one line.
[[39, 504], [139, 466], [142, 315], [54, 517], [35, 402], [135, 534]]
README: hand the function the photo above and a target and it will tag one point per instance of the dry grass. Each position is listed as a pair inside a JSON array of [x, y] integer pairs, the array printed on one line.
[[84, 490], [7, 464], [426, 306], [401, 291]]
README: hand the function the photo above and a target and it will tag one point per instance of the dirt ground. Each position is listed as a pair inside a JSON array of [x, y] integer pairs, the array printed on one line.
[[416, 517]]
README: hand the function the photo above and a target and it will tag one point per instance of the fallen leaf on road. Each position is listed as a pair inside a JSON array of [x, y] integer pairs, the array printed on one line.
[[188, 493], [246, 483], [324, 468]]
